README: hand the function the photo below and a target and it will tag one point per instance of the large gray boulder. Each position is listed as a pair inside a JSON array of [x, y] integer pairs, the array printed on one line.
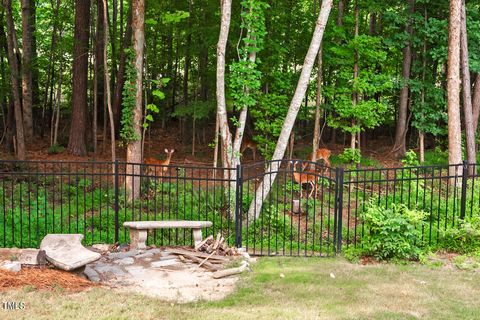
[[65, 251]]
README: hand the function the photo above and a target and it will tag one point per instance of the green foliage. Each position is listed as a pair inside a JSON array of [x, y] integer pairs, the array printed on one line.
[[127, 130], [269, 115], [464, 237], [349, 155], [411, 159], [394, 233], [56, 149]]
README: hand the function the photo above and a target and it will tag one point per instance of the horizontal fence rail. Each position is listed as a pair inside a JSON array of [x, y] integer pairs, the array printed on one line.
[[310, 209]]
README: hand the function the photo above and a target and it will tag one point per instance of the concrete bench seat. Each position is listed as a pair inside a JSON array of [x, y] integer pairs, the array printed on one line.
[[139, 230]]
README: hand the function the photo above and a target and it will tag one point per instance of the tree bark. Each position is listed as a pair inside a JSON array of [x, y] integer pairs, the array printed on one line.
[[100, 31], [77, 140], [318, 102], [400, 148], [225, 135], [271, 171], [453, 87], [466, 90], [27, 78], [134, 148], [476, 102], [107, 86], [19, 142], [355, 75]]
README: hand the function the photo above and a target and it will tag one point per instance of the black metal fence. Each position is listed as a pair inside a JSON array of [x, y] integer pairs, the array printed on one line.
[[310, 210]]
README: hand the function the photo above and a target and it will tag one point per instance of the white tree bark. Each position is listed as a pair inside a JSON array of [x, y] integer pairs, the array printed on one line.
[[270, 173], [225, 135], [453, 87]]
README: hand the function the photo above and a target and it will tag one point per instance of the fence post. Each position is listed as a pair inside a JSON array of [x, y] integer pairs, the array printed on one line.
[[116, 187], [238, 207], [338, 209], [463, 200]]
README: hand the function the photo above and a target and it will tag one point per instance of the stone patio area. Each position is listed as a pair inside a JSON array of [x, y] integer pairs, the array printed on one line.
[[158, 273]]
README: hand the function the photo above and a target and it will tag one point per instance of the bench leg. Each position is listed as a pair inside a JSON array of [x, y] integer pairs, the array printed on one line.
[[197, 236], [138, 239]]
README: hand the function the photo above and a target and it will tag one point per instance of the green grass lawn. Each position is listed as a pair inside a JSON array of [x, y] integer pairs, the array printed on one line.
[[307, 291]]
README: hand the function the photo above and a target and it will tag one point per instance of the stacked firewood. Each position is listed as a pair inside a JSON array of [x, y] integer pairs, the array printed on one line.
[[216, 245]]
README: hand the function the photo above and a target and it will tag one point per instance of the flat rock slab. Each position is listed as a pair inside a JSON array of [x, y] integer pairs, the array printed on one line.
[[24, 256], [12, 266], [167, 224], [164, 263], [65, 251], [125, 261]]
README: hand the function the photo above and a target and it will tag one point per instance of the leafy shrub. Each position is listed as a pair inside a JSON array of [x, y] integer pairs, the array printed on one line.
[[55, 149], [462, 238], [394, 233], [350, 156], [411, 159]]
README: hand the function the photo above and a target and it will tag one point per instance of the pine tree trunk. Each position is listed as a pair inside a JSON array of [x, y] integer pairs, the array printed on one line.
[[27, 79], [101, 28], [318, 102], [134, 148], [355, 75], [400, 148], [476, 102], [77, 142], [19, 142], [466, 90], [453, 87], [107, 86], [271, 172]]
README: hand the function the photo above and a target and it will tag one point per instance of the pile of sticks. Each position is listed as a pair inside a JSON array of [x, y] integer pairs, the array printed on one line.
[[217, 246], [211, 254]]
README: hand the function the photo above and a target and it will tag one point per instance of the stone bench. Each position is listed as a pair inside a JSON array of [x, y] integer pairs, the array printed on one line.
[[139, 230]]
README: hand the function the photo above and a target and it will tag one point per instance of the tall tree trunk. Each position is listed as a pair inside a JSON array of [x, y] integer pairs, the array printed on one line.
[[400, 148], [421, 134], [453, 86], [318, 102], [476, 102], [355, 75], [27, 79], [107, 86], [100, 31], [134, 148], [466, 90], [226, 137], [119, 83], [76, 143], [264, 188], [19, 142], [34, 57]]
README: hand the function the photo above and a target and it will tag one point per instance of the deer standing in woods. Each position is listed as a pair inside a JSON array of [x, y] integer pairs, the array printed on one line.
[[248, 143], [153, 163], [321, 154], [303, 177]]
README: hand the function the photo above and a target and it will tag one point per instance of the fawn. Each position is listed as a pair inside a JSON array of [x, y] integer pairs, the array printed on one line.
[[302, 177], [248, 143], [153, 163]]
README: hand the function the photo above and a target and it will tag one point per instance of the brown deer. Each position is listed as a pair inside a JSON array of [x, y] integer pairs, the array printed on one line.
[[302, 177], [248, 143], [321, 154], [153, 163]]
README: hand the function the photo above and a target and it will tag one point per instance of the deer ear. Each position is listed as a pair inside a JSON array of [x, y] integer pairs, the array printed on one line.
[[166, 150], [172, 150]]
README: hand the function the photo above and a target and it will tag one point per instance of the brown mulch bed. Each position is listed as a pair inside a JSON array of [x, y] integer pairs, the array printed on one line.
[[44, 279]]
